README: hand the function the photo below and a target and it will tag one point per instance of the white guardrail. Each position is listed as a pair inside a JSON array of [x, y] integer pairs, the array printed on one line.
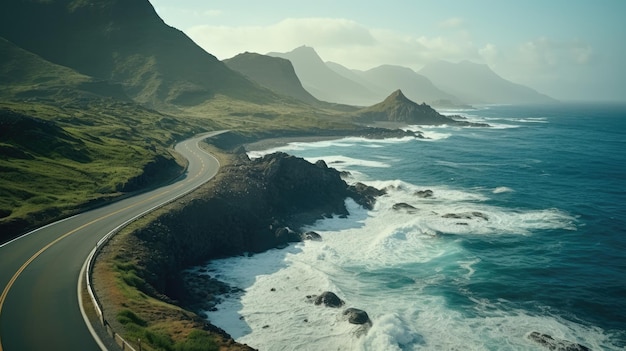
[[88, 267]]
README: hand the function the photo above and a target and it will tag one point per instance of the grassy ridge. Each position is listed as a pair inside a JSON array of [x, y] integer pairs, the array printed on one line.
[[55, 160], [63, 147], [129, 304]]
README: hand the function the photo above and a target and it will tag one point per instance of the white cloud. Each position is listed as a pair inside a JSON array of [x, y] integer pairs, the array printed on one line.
[[541, 63], [452, 23], [489, 53], [286, 35], [344, 41], [545, 53], [212, 13]]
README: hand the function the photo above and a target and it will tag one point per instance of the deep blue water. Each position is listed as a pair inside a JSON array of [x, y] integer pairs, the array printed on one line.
[[551, 257]]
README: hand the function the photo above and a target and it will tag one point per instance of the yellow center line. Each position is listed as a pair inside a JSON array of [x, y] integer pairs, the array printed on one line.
[[8, 287], [38, 253]]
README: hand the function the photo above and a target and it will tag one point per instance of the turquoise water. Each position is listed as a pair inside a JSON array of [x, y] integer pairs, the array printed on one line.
[[525, 231]]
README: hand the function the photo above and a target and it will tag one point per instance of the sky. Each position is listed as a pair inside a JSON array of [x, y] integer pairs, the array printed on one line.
[[568, 49]]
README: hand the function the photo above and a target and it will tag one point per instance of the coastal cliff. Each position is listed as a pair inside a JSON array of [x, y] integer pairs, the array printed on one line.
[[247, 213], [249, 207]]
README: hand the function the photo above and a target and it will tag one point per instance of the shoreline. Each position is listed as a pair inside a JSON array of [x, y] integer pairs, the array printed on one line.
[[272, 143], [393, 129], [149, 256]]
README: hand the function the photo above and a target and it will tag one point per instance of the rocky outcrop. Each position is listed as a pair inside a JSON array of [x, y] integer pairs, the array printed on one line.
[[424, 193], [365, 195], [356, 316], [398, 108], [404, 206], [250, 208], [313, 236], [329, 299], [467, 215], [555, 344]]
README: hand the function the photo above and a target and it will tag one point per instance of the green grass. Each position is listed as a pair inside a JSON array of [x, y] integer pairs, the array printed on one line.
[[59, 158], [137, 316]]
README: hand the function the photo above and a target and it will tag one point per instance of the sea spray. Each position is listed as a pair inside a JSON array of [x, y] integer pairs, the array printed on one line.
[[484, 237]]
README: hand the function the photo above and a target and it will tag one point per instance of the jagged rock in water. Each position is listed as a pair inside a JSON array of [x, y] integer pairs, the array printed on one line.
[[424, 193], [404, 206], [357, 316], [311, 236], [329, 299], [365, 195], [466, 215], [556, 344], [286, 235]]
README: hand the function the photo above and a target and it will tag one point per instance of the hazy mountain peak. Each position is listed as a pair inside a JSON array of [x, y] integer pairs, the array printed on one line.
[[397, 96], [322, 82], [275, 73], [398, 108], [478, 83], [302, 53]]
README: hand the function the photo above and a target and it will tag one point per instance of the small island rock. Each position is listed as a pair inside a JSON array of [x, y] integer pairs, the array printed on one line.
[[556, 344], [357, 316], [329, 299]]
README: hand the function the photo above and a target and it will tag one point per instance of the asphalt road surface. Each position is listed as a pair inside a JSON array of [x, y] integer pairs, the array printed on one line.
[[39, 271]]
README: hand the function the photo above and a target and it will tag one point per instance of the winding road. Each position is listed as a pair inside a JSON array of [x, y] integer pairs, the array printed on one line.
[[39, 271]]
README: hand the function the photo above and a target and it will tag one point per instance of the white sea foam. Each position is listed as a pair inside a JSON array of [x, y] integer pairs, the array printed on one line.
[[502, 189], [361, 260], [343, 162], [430, 133], [341, 143], [387, 261]]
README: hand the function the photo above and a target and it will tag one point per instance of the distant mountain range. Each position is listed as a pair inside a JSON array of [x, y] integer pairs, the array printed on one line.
[[439, 82], [274, 73], [478, 84], [324, 83]]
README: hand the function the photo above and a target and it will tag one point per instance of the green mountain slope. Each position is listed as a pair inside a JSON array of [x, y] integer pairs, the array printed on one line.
[[324, 83], [67, 140], [124, 41], [274, 73]]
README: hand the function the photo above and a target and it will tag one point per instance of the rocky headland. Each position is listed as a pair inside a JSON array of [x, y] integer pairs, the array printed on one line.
[[249, 207]]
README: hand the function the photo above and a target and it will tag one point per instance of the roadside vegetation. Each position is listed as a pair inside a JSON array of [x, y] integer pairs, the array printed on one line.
[[137, 312]]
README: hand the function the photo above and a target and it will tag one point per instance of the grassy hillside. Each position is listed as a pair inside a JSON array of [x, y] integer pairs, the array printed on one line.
[[124, 41], [68, 140], [274, 73]]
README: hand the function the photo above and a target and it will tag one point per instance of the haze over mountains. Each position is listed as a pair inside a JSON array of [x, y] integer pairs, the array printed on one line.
[[478, 84], [274, 73], [101, 76], [452, 83]]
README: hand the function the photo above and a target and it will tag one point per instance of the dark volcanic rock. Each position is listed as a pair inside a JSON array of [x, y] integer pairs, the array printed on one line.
[[466, 215], [329, 299], [249, 208], [357, 316], [556, 344], [404, 206], [398, 108], [311, 236], [365, 195], [424, 193], [286, 235]]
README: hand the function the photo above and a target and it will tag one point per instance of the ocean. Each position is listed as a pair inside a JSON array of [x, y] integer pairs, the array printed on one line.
[[503, 231]]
